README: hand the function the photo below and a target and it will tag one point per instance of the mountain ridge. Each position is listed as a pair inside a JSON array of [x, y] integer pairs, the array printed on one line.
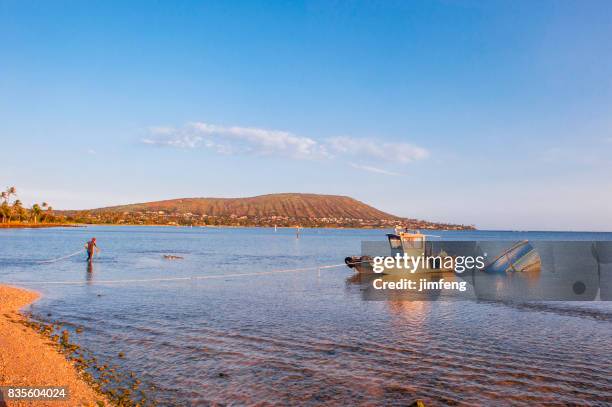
[[290, 204], [282, 209]]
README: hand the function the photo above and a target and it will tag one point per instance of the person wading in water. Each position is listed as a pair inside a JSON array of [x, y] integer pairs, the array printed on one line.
[[91, 248]]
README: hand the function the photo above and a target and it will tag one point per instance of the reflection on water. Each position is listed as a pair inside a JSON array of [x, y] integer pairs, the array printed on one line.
[[304, 338], [89, 273]]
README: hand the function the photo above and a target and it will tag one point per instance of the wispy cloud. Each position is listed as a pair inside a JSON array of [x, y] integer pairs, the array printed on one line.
[[257, 141], [264, 141], [178, 141], [172, 137], [393, 152], [374, 169], [234, 139]]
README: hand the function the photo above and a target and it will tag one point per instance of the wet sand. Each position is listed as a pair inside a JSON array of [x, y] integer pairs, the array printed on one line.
[[29, 359]]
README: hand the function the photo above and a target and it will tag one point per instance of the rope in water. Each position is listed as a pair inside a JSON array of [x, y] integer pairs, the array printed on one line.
[[61, 258], [164, 279]]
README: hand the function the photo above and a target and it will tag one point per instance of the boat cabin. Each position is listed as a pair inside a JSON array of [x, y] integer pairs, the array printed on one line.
[[409, 242]]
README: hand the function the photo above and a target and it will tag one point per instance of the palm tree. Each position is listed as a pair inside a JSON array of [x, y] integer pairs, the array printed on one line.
[[44, 205], [10, 191], [17, 208], [22, 213], [49, 211], [6, 196], [35, 212], [6, 210]]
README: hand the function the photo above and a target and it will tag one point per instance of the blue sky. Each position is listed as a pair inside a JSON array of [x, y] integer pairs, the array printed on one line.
[[489, 113]]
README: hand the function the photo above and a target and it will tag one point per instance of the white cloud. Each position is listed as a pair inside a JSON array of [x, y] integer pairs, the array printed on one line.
[[402, 153], [178, 140], [234, 139], [264, 141], [374, 169], [257, 141]]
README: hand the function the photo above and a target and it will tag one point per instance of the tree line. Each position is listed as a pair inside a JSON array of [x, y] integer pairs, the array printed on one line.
[[12, 209]]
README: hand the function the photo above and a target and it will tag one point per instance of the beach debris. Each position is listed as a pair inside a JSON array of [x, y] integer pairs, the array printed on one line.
[[417, 403], [172, 257], [65, 337], [119, 387]]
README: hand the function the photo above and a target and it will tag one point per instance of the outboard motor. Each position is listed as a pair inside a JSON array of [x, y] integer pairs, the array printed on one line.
[[352, 261], [361, 264]]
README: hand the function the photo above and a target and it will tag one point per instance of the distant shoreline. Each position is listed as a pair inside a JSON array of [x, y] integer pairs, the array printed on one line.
[[282, 209], [80, 225], [83, 225], [39, 225]]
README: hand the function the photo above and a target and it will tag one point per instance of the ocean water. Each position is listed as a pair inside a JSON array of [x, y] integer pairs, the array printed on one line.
[[238, 334]]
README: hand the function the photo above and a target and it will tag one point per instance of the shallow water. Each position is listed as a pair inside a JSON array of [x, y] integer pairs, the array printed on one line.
[[302, 337]]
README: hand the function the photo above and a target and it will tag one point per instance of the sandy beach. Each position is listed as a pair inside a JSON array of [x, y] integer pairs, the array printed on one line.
[[29, 359]]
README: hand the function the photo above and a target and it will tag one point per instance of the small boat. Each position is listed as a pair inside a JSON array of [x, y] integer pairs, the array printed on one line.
[[518, 258], [172, 257], [403, 242]]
